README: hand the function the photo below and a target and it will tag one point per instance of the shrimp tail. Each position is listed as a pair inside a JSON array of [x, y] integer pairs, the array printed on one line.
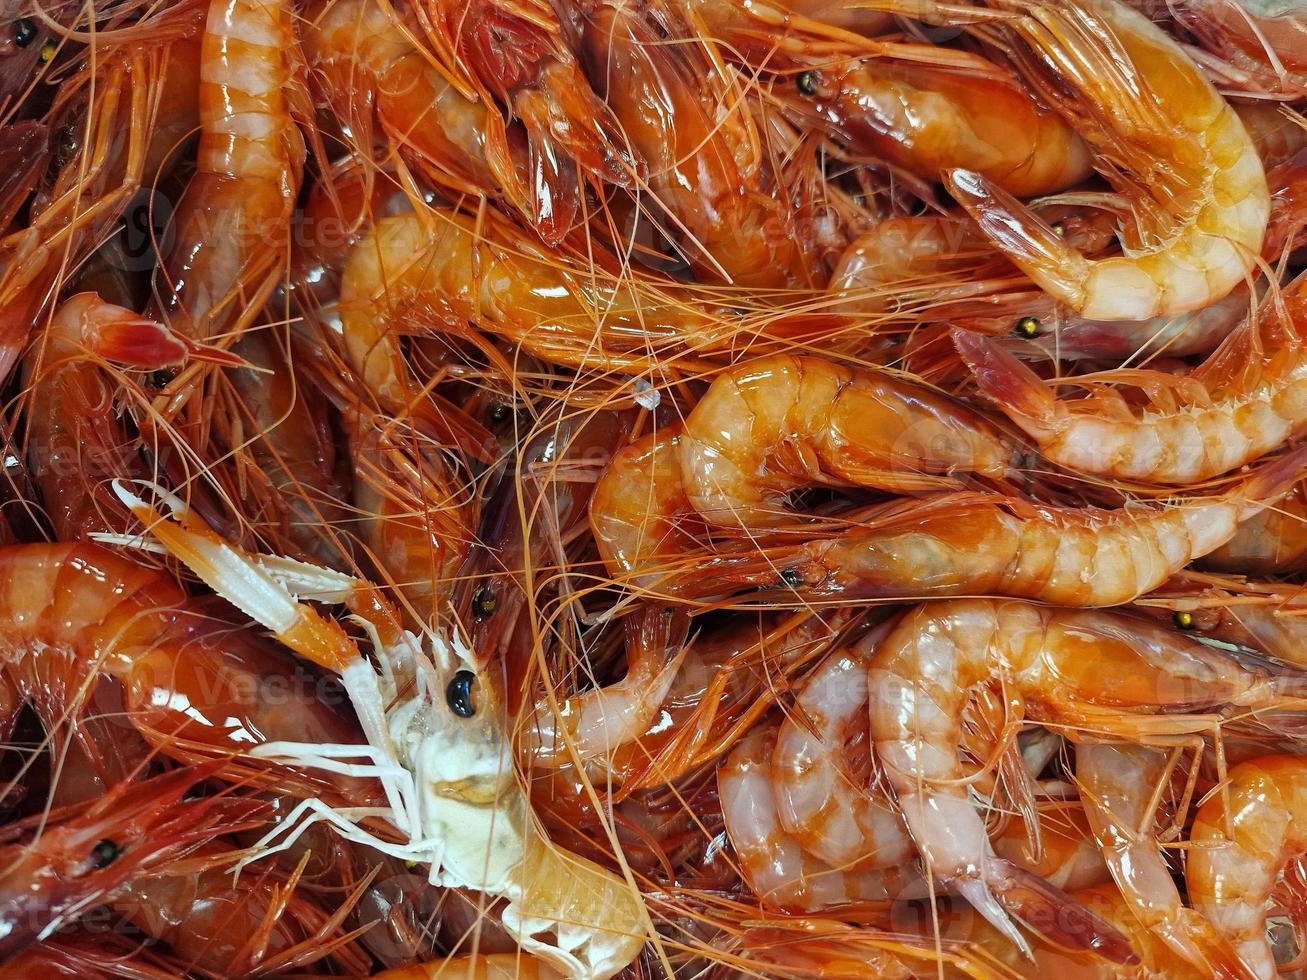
[[132, 340], [1004, 380], [1055, 914], [1192, 937], [1024, 237]]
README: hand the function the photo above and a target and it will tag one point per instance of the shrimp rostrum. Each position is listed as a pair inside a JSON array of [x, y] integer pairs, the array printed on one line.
[[435, 743]]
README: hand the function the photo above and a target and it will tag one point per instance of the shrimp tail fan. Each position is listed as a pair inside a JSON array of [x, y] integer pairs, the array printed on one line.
[[1024, 237], [1058, 916], [1018, 391]]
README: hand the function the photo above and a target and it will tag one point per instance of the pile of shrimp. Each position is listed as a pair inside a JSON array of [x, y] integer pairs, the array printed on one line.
[[653, 488]]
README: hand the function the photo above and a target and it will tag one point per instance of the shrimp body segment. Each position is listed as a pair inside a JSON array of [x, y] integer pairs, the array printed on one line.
[[1243, 837], [1181, 143], [233, 224], [768, 427], [1075, 667]]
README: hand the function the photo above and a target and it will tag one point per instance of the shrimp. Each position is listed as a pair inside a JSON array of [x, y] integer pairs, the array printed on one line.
[[1239, 409], [520, 56], [1240, 842], [365, 55], [1273, 542], [1205, 206], [929, 109], [81, 858], [418, 515], [783, 873], [434, 742], [265, 925], [232, 227], [193, 686], [778, 869], [1070, 667], [979, 544], [640, 512], [831, 806], [1265, 37], [76, 439], [1115, 782], [734, 228], [767, 428], [442, 271], [541, 500]]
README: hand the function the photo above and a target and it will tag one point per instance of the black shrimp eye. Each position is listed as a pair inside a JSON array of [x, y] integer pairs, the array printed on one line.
[[162, 377], [1028, 327], [1183, 619], [500, 413], [806, 82], [24, 32], [484, 601], [792, 577], [105, 853], [458, 695]]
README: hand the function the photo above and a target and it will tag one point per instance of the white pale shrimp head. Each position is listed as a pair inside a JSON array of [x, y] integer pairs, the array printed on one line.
[[441, 757]]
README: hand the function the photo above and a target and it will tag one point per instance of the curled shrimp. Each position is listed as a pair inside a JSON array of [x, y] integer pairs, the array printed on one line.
[[1116, 785], [767, 428], [1202, 201], [1246, 400], [1241, 839], [997, 546], [1070, 667]]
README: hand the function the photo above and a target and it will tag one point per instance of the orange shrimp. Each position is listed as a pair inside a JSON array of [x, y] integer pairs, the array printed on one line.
[[81, 858], [194, 685], [517, 52], [767, 428], [418, 513], [1241, 839], [987, 545], [232, 227], [76, 440], [478, 966], [928, 110], [1248, 399], [1071, 667], [1202, 201], [733, 227], [640, 513]]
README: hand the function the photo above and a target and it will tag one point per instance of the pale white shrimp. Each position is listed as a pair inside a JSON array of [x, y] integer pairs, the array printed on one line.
[[435, 743]]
